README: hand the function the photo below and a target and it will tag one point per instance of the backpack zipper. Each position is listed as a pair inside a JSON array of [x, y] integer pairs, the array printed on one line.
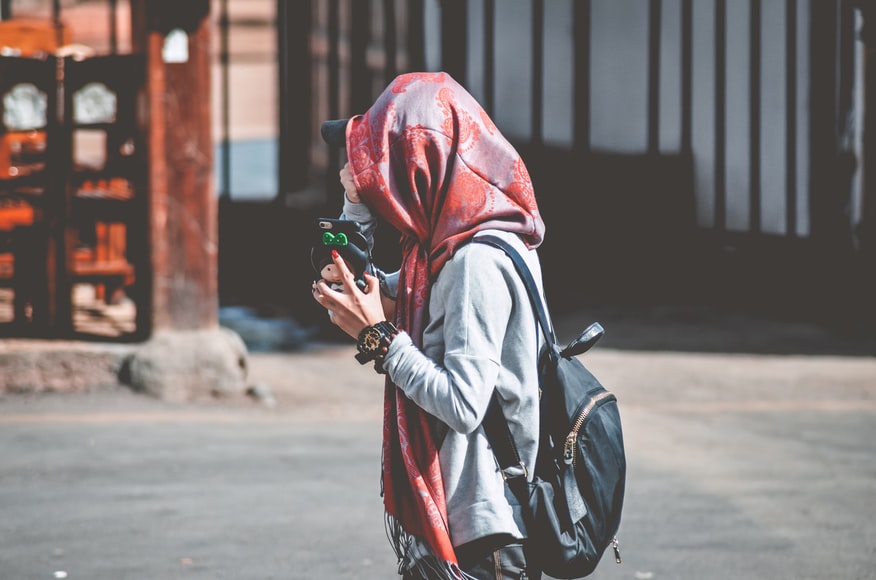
[[569, 447]]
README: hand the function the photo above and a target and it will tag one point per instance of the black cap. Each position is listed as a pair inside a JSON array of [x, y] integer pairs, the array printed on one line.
[[335, 132]]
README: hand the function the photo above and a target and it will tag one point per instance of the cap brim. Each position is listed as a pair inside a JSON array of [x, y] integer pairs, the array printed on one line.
[[335, 132]]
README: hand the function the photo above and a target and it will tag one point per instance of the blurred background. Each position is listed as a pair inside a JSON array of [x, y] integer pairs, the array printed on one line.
[[688, 157]]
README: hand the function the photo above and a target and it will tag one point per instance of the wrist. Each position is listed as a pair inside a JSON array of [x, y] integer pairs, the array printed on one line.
[[373, 342]]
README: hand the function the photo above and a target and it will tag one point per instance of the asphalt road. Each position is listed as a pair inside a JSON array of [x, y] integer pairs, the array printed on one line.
[[740, 467]]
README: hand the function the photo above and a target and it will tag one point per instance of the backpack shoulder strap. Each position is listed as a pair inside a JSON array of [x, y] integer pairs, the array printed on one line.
[[495, 425], [534, 293]]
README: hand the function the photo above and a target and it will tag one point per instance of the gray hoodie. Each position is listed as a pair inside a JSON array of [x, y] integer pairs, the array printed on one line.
[[482, 335]]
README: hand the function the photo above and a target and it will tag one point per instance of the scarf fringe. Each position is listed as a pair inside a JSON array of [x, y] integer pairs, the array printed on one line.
[[416, 557]]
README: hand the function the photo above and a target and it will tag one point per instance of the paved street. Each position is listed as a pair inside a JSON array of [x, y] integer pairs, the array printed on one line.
[[741, 466]]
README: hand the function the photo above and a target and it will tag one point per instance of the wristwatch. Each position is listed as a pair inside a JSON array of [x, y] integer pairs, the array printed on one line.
[[374, 341]]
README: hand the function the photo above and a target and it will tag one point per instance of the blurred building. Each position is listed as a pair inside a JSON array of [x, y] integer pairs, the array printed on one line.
[[705, 152]]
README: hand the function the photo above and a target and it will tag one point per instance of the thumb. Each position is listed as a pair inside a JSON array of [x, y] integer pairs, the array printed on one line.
[[372, 283]]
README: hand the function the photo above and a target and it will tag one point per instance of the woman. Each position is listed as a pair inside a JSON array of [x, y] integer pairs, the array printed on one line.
[[451, 327]]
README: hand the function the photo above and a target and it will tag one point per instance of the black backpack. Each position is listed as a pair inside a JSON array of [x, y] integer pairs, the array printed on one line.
[[572, 508]]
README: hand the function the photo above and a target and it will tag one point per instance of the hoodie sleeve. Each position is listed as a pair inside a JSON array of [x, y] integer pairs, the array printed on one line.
[[359, 213], [453, 377]]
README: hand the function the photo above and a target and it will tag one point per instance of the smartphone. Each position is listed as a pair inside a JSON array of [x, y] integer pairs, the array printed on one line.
[[346, 237], [336, 225]]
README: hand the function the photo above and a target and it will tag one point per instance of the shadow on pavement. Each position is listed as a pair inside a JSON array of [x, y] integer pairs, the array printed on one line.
[[674, 328], [685, 328]]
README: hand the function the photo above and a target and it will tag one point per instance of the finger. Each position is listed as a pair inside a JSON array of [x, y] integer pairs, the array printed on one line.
[[323, 294], [345, 272], [372, 283], [320, 286]]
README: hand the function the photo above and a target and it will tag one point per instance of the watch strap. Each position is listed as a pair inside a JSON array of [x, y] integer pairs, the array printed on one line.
[[386, 330]]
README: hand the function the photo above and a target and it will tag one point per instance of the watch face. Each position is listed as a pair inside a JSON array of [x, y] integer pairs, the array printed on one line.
[[371, 340], [374, 340]]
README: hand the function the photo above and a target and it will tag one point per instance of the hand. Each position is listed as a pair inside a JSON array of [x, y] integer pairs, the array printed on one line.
[[349, 187], [351, 310]]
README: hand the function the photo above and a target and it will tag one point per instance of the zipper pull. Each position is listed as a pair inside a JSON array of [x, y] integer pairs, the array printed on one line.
[[569, 449], [616, 549]]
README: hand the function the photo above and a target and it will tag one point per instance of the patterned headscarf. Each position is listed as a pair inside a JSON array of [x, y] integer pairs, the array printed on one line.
[[429, 160]]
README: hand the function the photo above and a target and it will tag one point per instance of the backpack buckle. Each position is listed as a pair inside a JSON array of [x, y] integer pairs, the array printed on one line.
[[515, 471], [584, 341]]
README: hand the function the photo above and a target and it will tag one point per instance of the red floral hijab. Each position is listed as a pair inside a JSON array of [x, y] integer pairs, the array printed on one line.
[[428, 159]]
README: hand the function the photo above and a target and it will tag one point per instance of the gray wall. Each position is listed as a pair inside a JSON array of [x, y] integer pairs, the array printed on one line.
[[619, 76]]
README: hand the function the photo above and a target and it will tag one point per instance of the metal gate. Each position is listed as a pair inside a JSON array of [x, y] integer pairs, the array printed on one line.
[[707, 152], [685, 151]]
